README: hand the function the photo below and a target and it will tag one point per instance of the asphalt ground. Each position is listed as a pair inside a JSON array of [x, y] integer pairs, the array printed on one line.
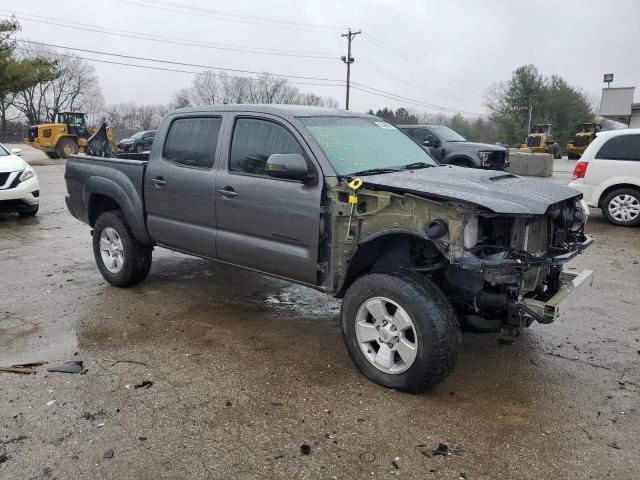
[[246, 370]]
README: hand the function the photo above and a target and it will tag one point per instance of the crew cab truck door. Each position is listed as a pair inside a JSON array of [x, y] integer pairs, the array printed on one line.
[[266, 223], [179, 185]]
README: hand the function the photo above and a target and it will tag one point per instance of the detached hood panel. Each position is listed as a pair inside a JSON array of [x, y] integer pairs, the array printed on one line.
[[497, 191]]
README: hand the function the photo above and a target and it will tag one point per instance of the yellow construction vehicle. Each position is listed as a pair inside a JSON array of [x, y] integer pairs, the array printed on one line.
[[65, 137], [540, 140], [585, 133]]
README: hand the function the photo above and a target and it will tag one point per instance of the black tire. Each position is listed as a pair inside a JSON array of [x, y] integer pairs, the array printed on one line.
[[30, 213], [139, 149], [634, 200], [52, 155], [137, 257], [438, 334], [66, 147]]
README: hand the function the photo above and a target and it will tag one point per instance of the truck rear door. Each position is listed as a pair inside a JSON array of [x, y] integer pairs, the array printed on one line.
[[266, 223], [179, 185]]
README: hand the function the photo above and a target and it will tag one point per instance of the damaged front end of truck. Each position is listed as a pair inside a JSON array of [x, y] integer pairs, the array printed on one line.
[[501, 271]]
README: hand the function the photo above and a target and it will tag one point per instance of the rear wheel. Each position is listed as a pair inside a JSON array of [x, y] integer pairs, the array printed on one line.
[[121, 259], [400, 330], [622, 207], [66, 147]]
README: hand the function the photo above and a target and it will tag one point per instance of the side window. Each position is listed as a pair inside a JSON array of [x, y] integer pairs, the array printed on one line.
[[420, 134], [192, 141], [254, 141], [624, 147]]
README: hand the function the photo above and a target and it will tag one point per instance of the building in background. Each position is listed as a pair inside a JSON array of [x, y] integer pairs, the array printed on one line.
[[617, 104]]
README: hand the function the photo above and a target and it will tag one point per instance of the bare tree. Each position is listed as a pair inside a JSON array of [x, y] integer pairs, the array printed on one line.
[[73, 86]]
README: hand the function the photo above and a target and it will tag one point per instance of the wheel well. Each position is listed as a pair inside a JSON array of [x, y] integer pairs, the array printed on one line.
[[460, 161], [390, 252], [98, 204], [610, 189]]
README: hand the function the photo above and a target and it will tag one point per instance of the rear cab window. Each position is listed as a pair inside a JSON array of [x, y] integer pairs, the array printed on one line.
[[191, 142]]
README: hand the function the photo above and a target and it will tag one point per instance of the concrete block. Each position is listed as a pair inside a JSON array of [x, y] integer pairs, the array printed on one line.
[[519, 150], [531, 164]]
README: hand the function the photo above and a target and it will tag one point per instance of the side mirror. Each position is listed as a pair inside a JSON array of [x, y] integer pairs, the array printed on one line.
[[427, 142], [16, 151], [291, 166]]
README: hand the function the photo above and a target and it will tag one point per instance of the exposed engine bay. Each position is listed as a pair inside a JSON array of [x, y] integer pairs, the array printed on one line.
[[498, 270]]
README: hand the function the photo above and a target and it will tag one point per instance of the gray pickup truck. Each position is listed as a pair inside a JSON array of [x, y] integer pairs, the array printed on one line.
[[451, 148], [347, 204]]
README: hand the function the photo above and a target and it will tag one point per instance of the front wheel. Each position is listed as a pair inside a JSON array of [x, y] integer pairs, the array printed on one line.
[[139, 149], [121, 259], [66, 147], [622, 207], [400, 330]]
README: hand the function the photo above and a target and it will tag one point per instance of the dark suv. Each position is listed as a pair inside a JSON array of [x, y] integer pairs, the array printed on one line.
[[138, 142], [447, 146]]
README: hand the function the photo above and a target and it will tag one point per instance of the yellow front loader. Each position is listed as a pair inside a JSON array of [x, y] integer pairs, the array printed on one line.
[[585, 134], [66, 137]]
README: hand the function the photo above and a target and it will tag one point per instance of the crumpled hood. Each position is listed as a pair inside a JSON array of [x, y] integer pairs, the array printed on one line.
[[500, 192]]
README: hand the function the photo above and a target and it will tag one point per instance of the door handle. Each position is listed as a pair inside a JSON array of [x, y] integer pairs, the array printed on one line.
[[228, 192], [159, 182]]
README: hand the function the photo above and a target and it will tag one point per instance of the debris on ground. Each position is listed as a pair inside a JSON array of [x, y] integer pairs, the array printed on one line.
[[395, 463], [463, 476], [108, 453], [145, 384], [3, 458], [142, 439], [305, 449], [92, 416], [505, 341], [67, 367], [50, 402], [441, 449], [228, 403], [23, 368], [614, 445]]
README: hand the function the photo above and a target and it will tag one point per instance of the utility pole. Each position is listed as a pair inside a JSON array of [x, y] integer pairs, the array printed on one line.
[[349, 59], [530, 110]]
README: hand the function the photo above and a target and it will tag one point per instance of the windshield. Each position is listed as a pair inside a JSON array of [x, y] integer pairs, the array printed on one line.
[[445, 134], [3, 151], [355, 144]]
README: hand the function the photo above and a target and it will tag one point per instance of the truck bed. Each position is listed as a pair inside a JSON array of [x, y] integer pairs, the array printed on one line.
[[122, 179]]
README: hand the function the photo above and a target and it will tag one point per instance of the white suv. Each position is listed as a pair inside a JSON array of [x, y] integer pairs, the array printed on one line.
[[608, 175], [19, 188]]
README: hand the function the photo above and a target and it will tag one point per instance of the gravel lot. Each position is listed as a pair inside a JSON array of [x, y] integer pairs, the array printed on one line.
[[245, 370]]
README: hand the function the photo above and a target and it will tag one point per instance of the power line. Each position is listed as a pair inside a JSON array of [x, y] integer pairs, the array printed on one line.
[[393, 96], [165, 69], [191, 10], [168, 40], [423, 88], [184, 64], [396, 54]]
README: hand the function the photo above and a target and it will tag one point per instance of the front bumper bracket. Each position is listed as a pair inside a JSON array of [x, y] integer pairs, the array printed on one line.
[[550, 310]]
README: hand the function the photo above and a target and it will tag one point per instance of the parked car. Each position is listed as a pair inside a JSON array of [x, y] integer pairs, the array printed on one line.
[[608, 175], [19, 188], [449, 147], [138, 142], [347, 204]]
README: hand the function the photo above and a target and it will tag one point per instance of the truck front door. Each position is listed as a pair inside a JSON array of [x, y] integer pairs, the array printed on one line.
[[265, 223], [179, 185]]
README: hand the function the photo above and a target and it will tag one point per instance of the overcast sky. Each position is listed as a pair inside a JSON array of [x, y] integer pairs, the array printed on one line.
[[441, 53]]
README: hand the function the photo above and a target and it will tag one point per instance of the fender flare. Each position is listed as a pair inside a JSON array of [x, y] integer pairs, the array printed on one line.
[[122, 191]]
